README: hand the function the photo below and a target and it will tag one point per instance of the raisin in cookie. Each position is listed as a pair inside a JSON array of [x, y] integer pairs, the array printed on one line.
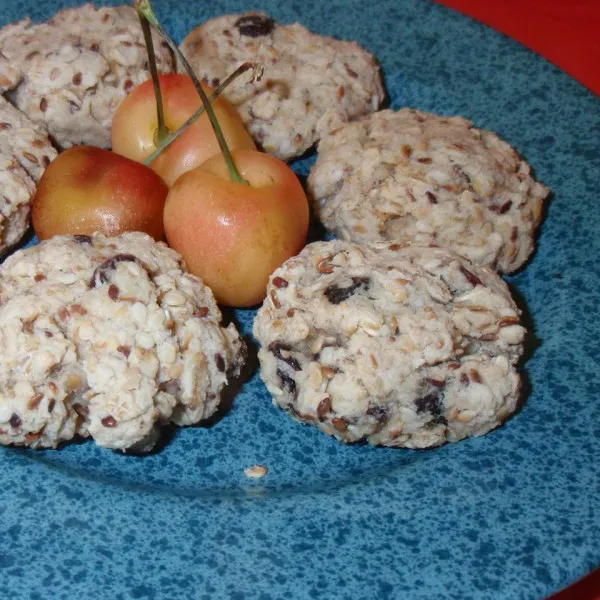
[[412, 176], [311, 83], [398, 345], [108, 338], [25, 151], [74, 70]]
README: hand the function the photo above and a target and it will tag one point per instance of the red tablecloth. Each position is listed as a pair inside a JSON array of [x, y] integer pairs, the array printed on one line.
[[567, 33]]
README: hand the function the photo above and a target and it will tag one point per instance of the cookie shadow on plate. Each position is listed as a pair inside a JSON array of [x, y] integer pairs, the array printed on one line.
[[387, 100], [531, 343], [228, 395], [234, 386]]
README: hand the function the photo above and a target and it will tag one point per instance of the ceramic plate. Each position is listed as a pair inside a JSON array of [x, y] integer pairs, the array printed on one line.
[[510, 515]]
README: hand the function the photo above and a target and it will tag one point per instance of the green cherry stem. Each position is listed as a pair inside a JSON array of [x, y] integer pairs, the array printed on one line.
[[145, 8], [257, 72], [162, 130]]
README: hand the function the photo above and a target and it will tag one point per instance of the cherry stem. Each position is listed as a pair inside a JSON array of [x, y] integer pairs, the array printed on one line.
[[144, 7], [257, 72], [162, 131]]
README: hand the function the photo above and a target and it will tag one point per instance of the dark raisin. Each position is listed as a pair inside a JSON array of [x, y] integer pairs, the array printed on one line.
[[431, 403], [280, 282], [438, 420], [276, 349], [324, 407], [220, 363], [437, 383], [475, 376], [288, 383], [113, 292], [78, 309], [381, 413], [255, 25], [82, 239], [15, 421], [109, 421], [51, 405], [339, 423], [101, 274], [431, 197], [336, 294]]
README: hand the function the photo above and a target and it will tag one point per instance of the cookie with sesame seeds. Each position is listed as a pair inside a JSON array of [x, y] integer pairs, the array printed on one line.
[[414, 176], [396, 345], [107, 338], [25, 151], [73, 71], [311, 83]]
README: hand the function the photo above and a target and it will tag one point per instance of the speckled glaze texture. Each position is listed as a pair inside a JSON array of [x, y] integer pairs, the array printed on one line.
[[512, 515]]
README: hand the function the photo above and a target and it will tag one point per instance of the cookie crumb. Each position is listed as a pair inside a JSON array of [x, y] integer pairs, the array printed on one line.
[[256, 471]]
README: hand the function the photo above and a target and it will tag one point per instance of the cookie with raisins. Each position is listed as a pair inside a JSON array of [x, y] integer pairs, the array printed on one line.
[[311, 83], [397, 345], [413, 176], [25, 151], [107, 338], [73, 71]]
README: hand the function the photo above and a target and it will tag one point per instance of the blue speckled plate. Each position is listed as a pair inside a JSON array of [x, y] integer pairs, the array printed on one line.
[[512, 515]]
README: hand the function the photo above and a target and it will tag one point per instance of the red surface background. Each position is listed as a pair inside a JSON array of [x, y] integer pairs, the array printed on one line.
[[567, 33]]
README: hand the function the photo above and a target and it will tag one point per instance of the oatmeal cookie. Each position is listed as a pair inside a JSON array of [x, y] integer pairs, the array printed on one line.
[[73, 71], [25, 151], [399, 345], [412, 176], [311, 83], [108, 338]]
